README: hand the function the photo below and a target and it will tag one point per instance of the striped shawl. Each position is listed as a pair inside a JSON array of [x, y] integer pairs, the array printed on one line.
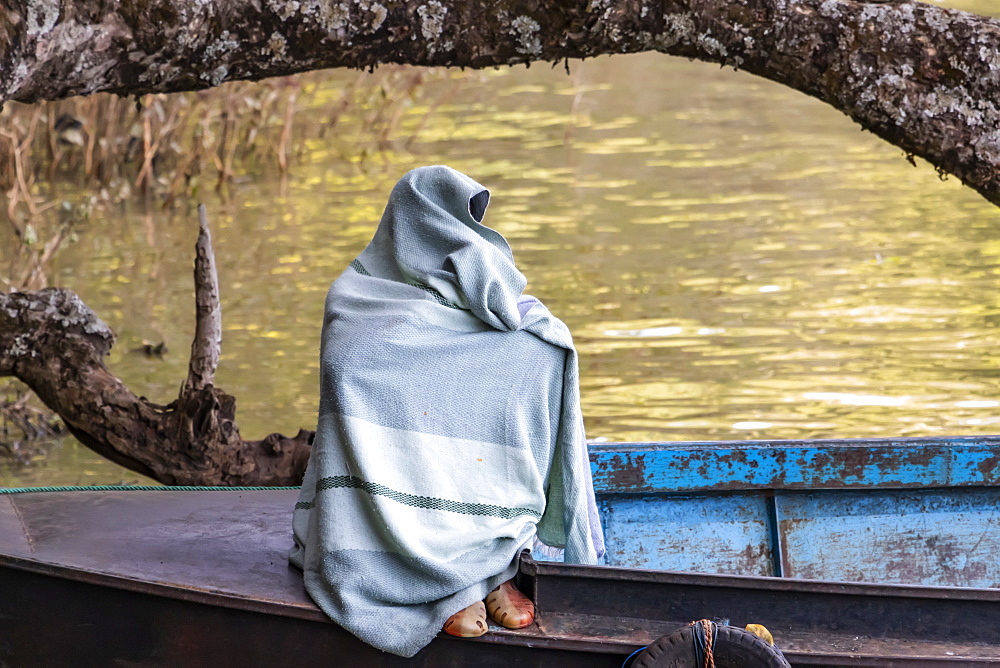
[[450, 435]]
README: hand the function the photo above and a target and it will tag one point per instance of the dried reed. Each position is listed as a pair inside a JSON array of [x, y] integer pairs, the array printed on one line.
[[162, 147], [165, 147]]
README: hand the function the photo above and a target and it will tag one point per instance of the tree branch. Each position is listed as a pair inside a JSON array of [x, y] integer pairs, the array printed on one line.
[[207, 343], [919, 76], [56, 345]]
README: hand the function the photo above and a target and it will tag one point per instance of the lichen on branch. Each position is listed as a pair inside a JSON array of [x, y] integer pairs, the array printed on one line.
[[919, 76]]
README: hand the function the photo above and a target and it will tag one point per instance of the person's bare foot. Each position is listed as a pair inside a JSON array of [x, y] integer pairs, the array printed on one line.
[[467, 623], [509, 607]]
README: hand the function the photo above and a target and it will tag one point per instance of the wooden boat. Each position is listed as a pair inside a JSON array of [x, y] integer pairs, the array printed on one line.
[[852, 552]]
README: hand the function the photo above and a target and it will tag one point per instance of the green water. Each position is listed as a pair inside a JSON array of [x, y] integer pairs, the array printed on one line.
[[736, 260]]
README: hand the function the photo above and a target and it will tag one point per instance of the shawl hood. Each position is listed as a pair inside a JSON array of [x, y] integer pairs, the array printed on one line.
[[431, 236]]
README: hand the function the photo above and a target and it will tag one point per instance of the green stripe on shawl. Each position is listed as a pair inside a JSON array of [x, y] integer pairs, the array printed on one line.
[[427, 502]]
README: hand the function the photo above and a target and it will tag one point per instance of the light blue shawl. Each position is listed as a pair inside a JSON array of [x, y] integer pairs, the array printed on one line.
[[450, 435]]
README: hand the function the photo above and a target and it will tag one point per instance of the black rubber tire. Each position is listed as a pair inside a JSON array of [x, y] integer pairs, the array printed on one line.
[[734, 647]]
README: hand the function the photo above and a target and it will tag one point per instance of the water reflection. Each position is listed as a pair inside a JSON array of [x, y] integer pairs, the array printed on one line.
[[735, 259]]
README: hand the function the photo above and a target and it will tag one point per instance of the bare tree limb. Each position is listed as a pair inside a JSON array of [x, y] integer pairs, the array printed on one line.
[[56, 345], [207, 343], [921, 77]]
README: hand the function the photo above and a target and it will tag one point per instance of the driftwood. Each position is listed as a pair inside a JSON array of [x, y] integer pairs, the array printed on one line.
[[56, 345], [919, 76]]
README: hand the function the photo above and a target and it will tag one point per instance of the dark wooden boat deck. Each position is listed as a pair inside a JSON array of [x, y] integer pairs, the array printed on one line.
[[201, 579]]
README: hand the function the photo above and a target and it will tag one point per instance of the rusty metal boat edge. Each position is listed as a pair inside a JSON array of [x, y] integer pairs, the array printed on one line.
[[587, 616], [814, 622]]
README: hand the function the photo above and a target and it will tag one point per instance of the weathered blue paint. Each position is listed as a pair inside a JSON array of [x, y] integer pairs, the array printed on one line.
[[833, 464], [907, 511], [933, 537], [702, 533]]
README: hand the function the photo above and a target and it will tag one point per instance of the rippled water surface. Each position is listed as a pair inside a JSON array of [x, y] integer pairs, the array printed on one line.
[[736, 260]]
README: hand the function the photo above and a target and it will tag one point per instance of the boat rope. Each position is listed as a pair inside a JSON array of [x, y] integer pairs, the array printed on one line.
[[709, 654], [705, 635], [134, 488]]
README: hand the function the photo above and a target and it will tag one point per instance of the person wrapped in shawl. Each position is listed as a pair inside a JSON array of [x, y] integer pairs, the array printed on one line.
[[450, 435]]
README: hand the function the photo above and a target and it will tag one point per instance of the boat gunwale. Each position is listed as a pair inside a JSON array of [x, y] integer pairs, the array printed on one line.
[[528, 567], [533, 636], [857, 464], [163, 589], [534, 568], [536, 636], [529, 637], [788, 443]]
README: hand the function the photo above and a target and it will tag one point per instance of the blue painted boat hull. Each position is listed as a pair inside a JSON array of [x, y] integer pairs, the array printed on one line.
[[892, 511]]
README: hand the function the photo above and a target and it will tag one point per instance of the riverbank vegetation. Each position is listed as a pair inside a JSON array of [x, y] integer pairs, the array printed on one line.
[[164, 147], [158, 150]]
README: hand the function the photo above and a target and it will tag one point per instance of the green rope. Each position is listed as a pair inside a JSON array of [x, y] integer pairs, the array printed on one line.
[[134, 488]]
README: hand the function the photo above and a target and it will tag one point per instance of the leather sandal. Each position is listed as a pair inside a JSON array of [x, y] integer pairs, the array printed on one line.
[[467, 623], [510, 608]]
